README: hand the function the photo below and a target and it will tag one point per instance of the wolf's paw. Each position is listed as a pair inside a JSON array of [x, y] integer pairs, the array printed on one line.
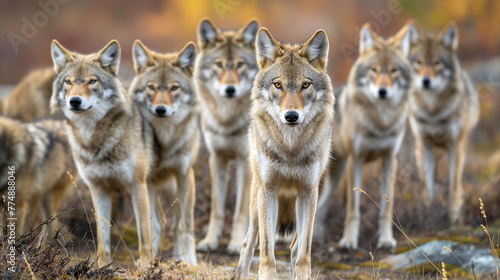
[[387, 243], [233, 248], [348, 243], [207, 245]]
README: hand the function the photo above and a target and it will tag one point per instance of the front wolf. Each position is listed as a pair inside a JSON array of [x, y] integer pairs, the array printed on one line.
[[444, 109], [104, 131], [290, 139], [371, 124], [224, 73], [164, 92]]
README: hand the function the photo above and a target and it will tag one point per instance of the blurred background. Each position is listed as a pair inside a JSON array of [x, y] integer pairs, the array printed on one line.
[[28, 27]]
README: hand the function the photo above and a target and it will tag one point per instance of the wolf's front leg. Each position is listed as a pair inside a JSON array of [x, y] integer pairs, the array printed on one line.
[[240, 217], [386, 238], [218, 172], [102, 205], [140, 203], [184, 248], [268, 215], [306, 209], [354, 175], [456, 161], [155, 219]]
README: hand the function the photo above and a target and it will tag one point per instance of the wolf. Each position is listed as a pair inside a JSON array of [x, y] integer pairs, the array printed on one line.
[[370, 123], [292, 116], [164, 92], [38, 156], [31, 97], [444, 109], [108, 138], [224, 72]]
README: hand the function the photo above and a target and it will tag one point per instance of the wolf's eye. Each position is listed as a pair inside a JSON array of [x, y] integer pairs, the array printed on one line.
[[218, 64], [394, 70], [67, 81], [92, 81], [306, 85], [374, 70], [240, 64], [277, 85], [418, 62], [174, 88], [437, 63], [151, 87]]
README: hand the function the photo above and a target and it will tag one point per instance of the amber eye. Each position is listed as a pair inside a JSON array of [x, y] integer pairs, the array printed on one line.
[[394, 70], [240, 64], [218, 64], [374, 69], [437, 63], [277, 85], [174, 88], [151, 87], [418, 62], [92, 81], [67, 81], [306, 85]]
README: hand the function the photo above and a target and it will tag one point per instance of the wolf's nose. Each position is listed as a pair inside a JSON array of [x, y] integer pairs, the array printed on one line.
[[426, 82], [75, 101], [382, 93], [161, 110], [291, 116], [230, 90]]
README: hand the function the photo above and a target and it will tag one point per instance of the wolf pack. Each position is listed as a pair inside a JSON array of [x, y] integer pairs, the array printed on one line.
[[265, 106]]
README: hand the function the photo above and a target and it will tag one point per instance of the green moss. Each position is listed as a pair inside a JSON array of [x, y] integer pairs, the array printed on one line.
[[377, 265], [334, 266]]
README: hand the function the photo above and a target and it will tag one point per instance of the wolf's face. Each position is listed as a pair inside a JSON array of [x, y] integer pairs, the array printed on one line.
[[163, 81], [432, 57], [227, 60], [292, 81], [382, 71], [85, 84]]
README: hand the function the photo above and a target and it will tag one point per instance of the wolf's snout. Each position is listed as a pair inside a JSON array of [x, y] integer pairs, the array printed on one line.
[[426, 82], [382, 93], [291, 116], [75, 101], [161, 110], [230, 91]]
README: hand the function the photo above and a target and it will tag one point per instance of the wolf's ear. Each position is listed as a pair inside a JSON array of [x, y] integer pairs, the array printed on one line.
[[187, 57], [449, 36], [248, 33], [142, 56], [208, 34], [109, 57], [414, 31], [367, 38], [60, 55], [401, 40], [316, 50], [267, 48]]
